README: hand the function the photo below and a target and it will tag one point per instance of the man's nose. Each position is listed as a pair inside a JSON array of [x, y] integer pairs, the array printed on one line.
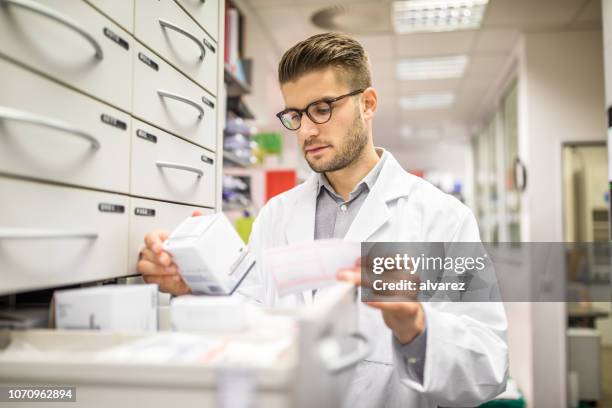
[[308, 127]]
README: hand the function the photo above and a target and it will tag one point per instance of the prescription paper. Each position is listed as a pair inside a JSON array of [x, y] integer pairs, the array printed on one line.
[[309, 266]]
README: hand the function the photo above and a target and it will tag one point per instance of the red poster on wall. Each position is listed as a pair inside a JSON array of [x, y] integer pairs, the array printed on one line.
[[279, 181]]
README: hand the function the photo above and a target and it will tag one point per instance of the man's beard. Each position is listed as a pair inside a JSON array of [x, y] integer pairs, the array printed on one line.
[[350, 148]]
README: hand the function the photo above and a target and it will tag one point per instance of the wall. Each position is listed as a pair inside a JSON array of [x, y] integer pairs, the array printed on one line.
[[561, 99]]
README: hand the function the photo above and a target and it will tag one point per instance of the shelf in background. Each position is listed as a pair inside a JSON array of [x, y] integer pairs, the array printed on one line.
[[235, 86], [239, 108], [236, 207], [231, 157]]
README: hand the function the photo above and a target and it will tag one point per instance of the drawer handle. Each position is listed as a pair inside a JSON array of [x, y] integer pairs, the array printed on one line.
[[167, 24], [17, 233], [19, 116], [54, 15], [180, 98], [178, 166]]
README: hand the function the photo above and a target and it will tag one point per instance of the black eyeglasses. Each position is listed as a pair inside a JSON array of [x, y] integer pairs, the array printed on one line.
[[318, 111]]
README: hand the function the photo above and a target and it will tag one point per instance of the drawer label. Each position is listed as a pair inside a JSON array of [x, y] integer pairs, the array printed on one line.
[[111, 208], [115, 38], [208, 102], [148, 61], [146, 136], [207, 160], [109, 120], [144, 212], [209, 45]]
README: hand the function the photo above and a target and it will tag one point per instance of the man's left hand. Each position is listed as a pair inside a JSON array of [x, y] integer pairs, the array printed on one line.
[[405, 319]]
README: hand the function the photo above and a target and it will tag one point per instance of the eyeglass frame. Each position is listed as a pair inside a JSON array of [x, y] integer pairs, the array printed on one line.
[[301, 112]]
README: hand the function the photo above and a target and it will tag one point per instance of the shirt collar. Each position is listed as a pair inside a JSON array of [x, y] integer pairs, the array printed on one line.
[[367, 182]]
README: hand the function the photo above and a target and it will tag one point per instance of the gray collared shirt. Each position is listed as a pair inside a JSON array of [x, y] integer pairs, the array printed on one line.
[[334, 215], [333, 218]]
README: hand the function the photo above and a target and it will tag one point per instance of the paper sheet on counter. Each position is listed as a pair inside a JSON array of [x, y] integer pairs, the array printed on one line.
[[309, 266]]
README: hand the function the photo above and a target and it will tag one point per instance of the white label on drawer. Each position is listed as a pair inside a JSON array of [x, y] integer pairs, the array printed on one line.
[[112, 208], [148, 61], [109, 120], [116, 39], [144, 212]]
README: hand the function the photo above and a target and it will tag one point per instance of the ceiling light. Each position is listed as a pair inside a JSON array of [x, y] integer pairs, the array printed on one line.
[[437, 100], [414, 134], [415, 69], [410, 16]]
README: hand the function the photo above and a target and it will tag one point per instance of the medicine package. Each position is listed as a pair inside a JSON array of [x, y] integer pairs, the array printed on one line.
[[211, 256], [109, 307]]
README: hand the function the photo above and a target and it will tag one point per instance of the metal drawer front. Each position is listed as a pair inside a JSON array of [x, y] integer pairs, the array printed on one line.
[[165, 28], [122, 12], [52, 236], [71, 42], [206, 13], [79, 141], [168, 99], [168, 168]]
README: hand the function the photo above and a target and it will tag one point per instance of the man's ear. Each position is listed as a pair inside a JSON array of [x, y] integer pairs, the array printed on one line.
[[370, 103]]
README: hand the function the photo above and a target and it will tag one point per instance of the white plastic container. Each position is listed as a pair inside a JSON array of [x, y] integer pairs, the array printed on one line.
[[207, 313], [110, 307]]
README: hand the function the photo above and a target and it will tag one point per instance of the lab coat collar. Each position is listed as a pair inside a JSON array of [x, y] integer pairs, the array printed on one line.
[[392, 183]]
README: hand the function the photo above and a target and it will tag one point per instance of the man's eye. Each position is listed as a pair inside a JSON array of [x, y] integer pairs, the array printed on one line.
[[321, 109]]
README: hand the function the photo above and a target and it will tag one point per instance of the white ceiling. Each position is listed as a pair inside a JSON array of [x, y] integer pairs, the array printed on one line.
[[489, 49]]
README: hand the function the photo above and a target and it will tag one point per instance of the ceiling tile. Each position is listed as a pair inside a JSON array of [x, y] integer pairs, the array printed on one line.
[[591, 12], [378, 46], [485, 65], [530, 13], [496, 41], [428, 86]]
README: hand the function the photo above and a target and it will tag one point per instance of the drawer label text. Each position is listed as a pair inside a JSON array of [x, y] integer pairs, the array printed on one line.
[[111, 208]]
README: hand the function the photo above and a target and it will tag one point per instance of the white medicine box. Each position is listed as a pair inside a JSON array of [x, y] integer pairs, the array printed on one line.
[[211, 256], [110, 307]]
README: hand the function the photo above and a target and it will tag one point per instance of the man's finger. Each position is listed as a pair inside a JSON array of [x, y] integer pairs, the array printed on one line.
[[395, 306], [148, 268], [349, 275], [155, 239]]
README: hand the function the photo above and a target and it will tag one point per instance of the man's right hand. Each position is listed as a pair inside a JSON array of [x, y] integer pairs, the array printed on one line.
[[157, 266]]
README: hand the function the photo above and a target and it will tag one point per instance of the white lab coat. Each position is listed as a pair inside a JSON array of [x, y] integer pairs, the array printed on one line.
[[467, 355]]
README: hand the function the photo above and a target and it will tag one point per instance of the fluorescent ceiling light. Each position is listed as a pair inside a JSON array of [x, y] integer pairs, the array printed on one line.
[[416, 69], [413, 134], [438, 100], [410, 16]]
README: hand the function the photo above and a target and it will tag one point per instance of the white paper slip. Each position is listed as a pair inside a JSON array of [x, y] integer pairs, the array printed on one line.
[[308, 266]]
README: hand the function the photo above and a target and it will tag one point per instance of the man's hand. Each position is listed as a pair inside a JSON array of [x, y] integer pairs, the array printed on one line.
[[156, 265], [405, 319]]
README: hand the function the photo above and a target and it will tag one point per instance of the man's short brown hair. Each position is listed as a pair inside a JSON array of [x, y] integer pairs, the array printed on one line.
[[328, 50]]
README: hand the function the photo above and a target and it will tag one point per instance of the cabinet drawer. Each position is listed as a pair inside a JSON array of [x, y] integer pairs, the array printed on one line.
[[121, 12], [168, 168], [206, 13], [165, 28], [79, 141], [151, 215], [52, 236], [71, 42], [168, 99]]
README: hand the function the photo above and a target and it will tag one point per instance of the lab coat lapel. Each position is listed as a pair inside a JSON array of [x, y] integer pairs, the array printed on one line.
[[393, 182], [302, 220]]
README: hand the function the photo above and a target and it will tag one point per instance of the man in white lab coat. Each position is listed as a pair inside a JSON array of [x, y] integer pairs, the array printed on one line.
[[424, 354]]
